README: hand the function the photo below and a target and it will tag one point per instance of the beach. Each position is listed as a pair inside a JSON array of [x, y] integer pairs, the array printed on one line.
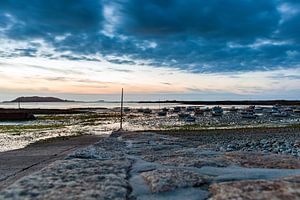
[[149, 100]]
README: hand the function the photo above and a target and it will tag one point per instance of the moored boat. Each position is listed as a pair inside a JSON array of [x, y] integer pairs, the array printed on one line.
[[147, 111], [280, 114], [233, 109], [162, 113], [190, 119], [249, 115], [183, 115], [217, 111], [176, 109], [199, 112]]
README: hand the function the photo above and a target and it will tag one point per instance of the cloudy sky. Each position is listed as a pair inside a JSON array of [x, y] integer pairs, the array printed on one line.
[[166, 49]]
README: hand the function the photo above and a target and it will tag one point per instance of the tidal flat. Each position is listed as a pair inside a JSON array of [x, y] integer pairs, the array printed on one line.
[[14, 135]]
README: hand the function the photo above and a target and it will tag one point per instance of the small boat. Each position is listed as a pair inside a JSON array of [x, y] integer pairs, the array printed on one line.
[[246, 112], [233, 109], [258, 109], [165, 109], [190, 119], [216, 114], [280, 114], [276, 107], [183, 115], [207, 109], [140, 110], [190, 109], [217, 111], [296, 111], [270, 110], [251, 107], [288, 109], [249, 115], [176, 109], [126, 109], [199, 112], [162, 113], [147, 111], [16, 116]]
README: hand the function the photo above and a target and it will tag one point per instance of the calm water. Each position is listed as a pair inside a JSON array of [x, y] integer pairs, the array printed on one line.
[[64, 105]]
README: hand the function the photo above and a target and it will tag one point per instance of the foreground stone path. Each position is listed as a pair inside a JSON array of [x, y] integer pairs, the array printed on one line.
[[21, 162], [151, 166]]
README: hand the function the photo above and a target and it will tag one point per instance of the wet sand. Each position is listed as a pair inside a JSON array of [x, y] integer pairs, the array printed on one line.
[[21, 162]]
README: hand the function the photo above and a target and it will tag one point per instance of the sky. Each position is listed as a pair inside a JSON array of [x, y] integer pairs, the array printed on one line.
[[154, 49]]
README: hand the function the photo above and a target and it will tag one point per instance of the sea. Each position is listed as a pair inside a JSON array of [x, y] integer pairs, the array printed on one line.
[[66, 105]]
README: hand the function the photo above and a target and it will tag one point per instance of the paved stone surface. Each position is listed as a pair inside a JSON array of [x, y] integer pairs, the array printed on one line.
[[287, 189], [18, 163], [146, 166], [169, 179]]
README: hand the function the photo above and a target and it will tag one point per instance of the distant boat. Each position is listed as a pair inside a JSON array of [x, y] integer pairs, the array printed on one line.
[[199, 112], [280, 114], [207, 109], [233, 109], [216, 114], [140, 110], [190, 109], [16, 116], [147, 111], [288, 109], [296, 110], [126, 109], [251, 107], [190, 119], [217, 111], [165, 109], [183, 115], [249, 110], [162, 113], [249, 115], [177, 109], [258, 109]]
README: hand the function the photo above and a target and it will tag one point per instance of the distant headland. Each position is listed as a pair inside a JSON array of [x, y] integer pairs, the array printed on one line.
[[39, 99]]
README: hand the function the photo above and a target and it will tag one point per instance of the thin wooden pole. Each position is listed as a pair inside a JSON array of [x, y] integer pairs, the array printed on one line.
[[121, 122]]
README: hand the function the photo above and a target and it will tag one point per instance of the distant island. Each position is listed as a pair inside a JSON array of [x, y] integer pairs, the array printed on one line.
[[39, 99]]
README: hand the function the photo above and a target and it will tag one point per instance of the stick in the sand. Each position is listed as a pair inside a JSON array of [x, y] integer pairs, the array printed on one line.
[[121, 122]]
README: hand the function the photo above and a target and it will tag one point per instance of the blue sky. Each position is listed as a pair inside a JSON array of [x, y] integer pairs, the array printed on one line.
[[88, 49]]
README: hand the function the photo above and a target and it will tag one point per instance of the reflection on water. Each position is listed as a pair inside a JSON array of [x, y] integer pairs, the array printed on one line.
[[65, 105]]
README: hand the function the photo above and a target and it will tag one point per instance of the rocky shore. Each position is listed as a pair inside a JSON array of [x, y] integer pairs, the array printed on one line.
[[284, 141], [148, 165]]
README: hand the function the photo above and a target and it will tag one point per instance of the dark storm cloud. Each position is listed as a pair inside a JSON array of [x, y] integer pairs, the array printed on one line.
[[45, 19], [231, 19], [192, 35], [290, 27]]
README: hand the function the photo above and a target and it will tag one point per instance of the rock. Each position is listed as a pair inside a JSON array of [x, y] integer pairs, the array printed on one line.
[[74, 179], [95, 152], [288, 189], [261, 160], [169, 179]]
